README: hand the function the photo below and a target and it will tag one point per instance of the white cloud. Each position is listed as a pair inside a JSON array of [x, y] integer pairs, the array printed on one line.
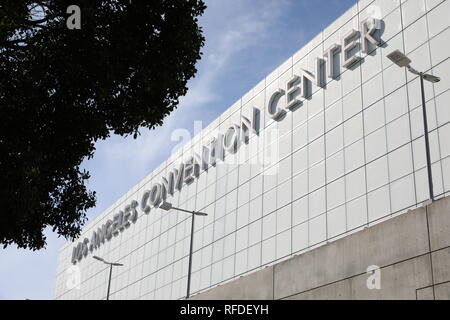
[[237, 26]]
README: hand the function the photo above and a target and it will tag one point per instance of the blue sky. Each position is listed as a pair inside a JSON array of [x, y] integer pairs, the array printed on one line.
[[245, 41]]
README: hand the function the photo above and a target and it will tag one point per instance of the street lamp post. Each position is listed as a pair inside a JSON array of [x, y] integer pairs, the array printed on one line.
[[168, 206], [111, 264], [401, 60]]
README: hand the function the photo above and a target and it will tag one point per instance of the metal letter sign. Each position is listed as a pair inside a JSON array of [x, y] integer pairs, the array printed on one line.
[[298, 86]]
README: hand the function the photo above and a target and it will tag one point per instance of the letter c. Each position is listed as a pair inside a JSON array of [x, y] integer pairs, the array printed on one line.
[[272, 110]]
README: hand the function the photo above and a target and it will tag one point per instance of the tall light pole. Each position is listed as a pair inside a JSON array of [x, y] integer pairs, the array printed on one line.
[[111, 264], [401, 60], [168, 206]]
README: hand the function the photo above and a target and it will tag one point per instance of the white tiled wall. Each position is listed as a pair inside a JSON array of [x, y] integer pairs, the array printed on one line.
[[350, 157]]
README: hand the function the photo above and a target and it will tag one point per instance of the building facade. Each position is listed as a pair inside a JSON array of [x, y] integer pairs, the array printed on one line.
[[329, 143]]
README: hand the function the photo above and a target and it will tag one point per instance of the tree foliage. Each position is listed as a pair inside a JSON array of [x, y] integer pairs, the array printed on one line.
[[61, 90]]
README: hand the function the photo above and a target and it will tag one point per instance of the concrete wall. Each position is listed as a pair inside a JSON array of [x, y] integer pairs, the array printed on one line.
[[412, 251]]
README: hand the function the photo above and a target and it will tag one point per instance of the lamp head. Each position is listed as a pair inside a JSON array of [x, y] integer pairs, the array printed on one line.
[[399, 58], [166, 206], [431, 78]]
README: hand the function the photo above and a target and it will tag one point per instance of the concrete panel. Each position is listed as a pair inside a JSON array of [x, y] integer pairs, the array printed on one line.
[[256, 286], [399, 281], [439, 220], [397, 239], [425, 294], [442, 291], [441, 265]]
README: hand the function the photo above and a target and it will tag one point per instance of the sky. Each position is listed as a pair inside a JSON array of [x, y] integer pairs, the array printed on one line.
[[245, 41]]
